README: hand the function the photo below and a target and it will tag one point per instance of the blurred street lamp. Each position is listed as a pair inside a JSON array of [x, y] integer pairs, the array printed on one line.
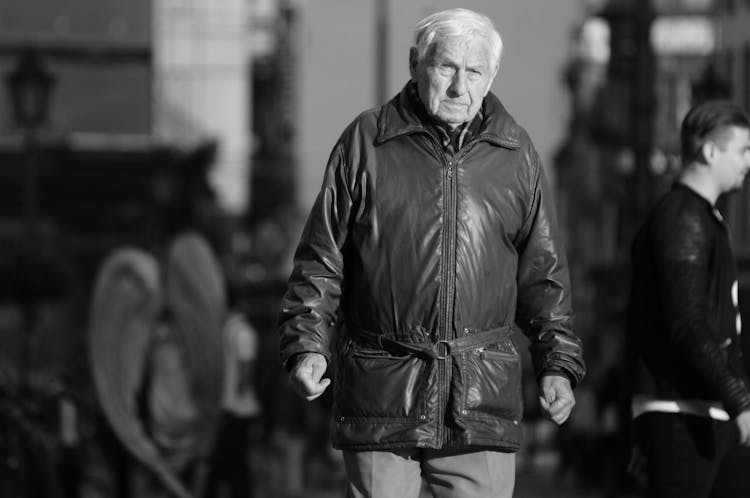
[[33, 274], [29, 87]]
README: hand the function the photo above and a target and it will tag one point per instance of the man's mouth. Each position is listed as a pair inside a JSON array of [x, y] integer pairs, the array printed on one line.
[[454, 104]]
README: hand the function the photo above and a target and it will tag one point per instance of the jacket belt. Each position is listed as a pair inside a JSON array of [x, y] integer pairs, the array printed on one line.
[[438, 350]]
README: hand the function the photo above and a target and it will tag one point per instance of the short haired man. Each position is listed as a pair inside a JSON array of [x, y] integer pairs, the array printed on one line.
[[432, 236], [691, 399]]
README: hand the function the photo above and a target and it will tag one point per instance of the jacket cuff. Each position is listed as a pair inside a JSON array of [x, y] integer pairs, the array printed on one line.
[[295, 358], [560, 372], [738, 405], [560, 364]]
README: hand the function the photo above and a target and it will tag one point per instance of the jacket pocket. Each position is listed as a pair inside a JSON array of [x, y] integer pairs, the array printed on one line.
[[373, 383], [487, 382]]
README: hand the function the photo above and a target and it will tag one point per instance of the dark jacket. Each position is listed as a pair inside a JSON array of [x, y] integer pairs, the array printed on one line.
[[683, 316], [424, 261]]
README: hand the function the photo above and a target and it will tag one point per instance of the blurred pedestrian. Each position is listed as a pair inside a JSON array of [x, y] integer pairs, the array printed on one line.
[[70, 468], [230, 467], [691, 396], [433, 236]]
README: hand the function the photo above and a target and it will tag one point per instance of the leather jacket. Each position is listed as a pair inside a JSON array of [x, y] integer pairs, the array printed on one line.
[[683, 316], [424, 262]]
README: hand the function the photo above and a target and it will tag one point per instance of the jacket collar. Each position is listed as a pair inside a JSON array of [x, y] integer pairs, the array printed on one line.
[[400, 116]]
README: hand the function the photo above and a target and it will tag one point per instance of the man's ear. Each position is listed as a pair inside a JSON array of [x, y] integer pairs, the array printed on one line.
[[413, 62], [492, 79], [708, 150]]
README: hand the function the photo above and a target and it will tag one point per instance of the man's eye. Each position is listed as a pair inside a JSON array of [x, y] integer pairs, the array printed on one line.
[[473, 74], [446, 70]]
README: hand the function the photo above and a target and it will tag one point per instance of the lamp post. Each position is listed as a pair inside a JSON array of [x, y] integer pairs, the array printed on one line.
[[382, 13], [631, 74], [28, 278], [644, 101], [29, 86]]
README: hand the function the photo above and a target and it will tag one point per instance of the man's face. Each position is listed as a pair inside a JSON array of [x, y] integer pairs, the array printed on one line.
[[732, 158], [453, 79]]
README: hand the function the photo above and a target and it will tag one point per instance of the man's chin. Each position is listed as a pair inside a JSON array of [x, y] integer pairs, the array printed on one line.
[[454, 119]]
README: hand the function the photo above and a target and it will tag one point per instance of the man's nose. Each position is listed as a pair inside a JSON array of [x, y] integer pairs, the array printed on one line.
[[458, 85]]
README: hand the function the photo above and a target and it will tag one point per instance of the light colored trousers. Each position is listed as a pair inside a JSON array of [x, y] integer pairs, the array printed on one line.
[[448, 474]]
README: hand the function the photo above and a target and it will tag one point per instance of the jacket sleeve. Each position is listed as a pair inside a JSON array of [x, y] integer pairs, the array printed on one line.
[[544, 302], [311, 302], [682, 245]]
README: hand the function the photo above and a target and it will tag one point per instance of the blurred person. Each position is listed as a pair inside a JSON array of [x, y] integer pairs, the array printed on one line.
[[690, 395], [69, 448], [229, 461], [432, 238]]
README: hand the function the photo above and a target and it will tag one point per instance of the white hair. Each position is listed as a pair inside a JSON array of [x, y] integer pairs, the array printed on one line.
[[457, 23]]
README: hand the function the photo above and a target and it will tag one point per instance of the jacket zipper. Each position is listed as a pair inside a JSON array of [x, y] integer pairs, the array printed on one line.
[[444, 370], [447, 277]]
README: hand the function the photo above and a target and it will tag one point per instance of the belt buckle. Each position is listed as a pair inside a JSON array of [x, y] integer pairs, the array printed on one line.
[[436, 348]]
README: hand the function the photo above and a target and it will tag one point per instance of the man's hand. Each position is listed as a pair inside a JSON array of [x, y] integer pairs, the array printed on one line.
[[743, 422], [306, 376], [556, 397]]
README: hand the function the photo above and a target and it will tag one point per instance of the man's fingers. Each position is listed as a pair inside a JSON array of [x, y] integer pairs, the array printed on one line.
[[556, 397], [544, 403], [318, 369], [306, 388], [318, 389], [306, 377], [561, 413], [308, 384], [745, 436], [557, 411], [743, 426]]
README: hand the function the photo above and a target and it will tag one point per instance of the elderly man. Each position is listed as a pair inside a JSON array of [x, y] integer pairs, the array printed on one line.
[[431, 240]]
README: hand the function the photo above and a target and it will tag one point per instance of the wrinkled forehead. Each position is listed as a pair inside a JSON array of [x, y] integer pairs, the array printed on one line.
[[474, 50]]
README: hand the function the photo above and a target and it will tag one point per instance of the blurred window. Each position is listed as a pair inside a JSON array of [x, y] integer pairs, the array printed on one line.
[[684, 35], [685, 5]]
